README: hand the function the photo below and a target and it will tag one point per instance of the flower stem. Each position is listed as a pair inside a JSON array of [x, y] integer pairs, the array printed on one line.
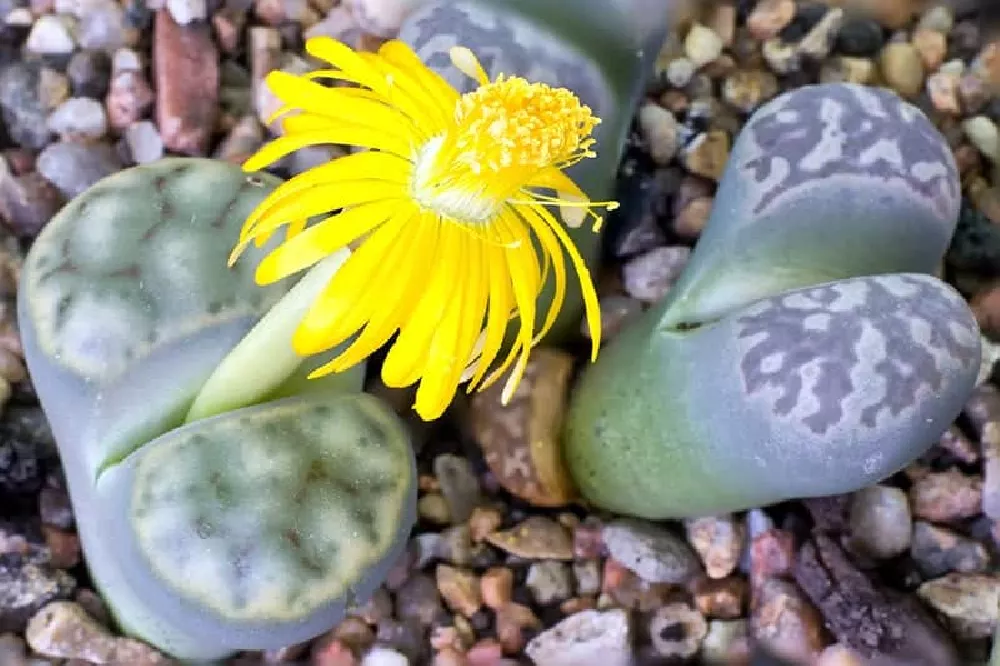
[[264, 359]]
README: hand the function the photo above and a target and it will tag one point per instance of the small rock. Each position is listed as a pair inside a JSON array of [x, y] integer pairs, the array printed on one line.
[[521, 440], [727, 642], [903, 68], [723, 599], [958, 445], [486, 652], [983, 133], [942, 87], [677, 631], [27, 448], [881, 523], [782, 58], [186, 63], [784, 621], [691, 220], [588, 637], [769, 17], [932, 47], [354, 633], [653, 553], [939, 550], [970, 602], [187, 11], [497, 587], [27, 202], [973, 92], [144, 142], [460, 589], [129, 98], [74, 167], [407, 638], [89, 74], [79, 118], [860, 36], [380, 17], [838, 655], [846, 69], [50, 36], [745, 90], [64, 547], [772, 554], [616, 312], [718, 542], [536, 538], [708, 154], [452, 545], [25, 586], [418, 600], [484, 521], [588, 576], [22, 107], [702, 45], [383, 656], [938, 17], [661, 130], [433, 507], [549, 582], [648, 277], [104, 26], [944, 496], [12, 651], [991, 469], [679, 72], [818, 42], [64, 630], [459, 485]]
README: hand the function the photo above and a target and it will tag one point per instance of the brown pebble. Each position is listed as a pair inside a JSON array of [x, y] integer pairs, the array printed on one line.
[[186, 64], [718, 541], [460, 589], [969, 601], [228, 23], [449, 656], [769, 17], [772, 554], [486, 652], [629, 591], [932, 47], [333, 653], [484, 521], [64, 547], [944, 496], [958, 445], [512, 622], [722, 599], [708, 154], [588, 539], [691, 220], [536, 538], [27, 202], [973, 92], [785, 622], [497, 586], [902, 68], [838, 655], [986, 66], [354, 633]]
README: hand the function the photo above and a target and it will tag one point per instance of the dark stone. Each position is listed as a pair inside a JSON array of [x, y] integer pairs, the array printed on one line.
[[21, 106], [28, 580], [645, 198], [965, 41], [806, 17], [27, 450], [861, 37], [89, 74], [975, 246]]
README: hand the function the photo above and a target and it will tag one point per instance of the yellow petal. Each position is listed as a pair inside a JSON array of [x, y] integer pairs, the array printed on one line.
[[591, 304], [343, 57], [340, 104], [322, 328], [498, 318], [411, 96], [401, 55], [349, 135], [553, 250], [322, 239]]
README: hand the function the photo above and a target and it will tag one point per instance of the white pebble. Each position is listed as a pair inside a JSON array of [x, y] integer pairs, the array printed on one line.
[[661, 131], [382, 656], [984, 135], [125, 60], [144, 142], [50, 36], [187, 11], [79, 118], [702, 45], [680, 72], [588, 637]]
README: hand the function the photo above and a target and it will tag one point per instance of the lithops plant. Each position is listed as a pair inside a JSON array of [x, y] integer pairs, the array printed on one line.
[[223, 502], [807, 350], [604, 55]]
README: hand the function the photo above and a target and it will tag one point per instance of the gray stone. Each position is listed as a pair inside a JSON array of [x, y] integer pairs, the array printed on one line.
[[79, 118], [588, 637], [187, 11], [660, 130], [144, 142], [21, 105], [50, 36], [26, 585], [74, 167], [418, 600], [103, 27], [649, 276], [459, 485], [89, 73], [939, 550], [549, 581], [650, 551], [881, 523]]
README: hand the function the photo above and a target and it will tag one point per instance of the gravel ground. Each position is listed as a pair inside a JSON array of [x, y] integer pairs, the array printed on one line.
[[900, 573]]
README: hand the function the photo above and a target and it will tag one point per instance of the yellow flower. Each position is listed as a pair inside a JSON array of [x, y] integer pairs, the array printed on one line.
[[444, 210]]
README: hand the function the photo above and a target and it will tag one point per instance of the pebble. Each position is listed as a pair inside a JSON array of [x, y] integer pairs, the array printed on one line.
[[460, 589], [903, 68], [616, 312], [549, 582], [535, 538], [23, 106], [497, 587], [746, 90], [186, 63], [187, 11], [27, 202], [459, 485], [380, 17], [723, 598], [718, 541], [784, 621], [708, 154], [434, 508], [932, 47], [944, 496], [26, 585], [64, 630], [984, 135], [333, 653], [511, 622], [649, 276], [383, 656], [969, 601], [521, 440], [677, 631], [103, 26], [691, 220], [588, 637], [782, 58], [726, 642], [79, 118], [129, 99], [660, 130], [73, 167], [860, 36], [418, 600], [769, 17], [702, 45], [653, 553], [680, 71], [819, 41], [938, 17], [881, 523], [89, 74], [942, 87], [938, 550], [26, 444], [50, 35], [144, 142]]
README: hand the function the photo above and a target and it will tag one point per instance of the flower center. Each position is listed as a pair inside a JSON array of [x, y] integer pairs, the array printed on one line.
[[505, 132]]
